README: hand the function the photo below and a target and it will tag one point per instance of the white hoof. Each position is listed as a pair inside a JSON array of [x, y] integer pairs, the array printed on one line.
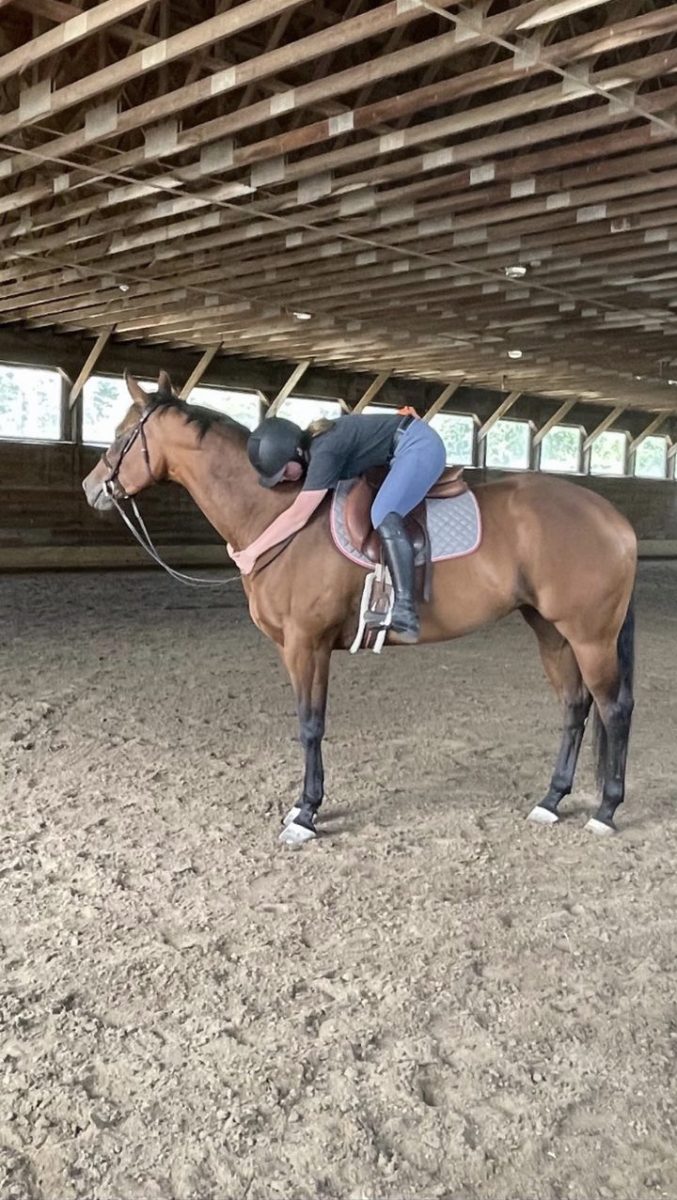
[[291, 816], [296, 835], [599, 827], [542, 816]]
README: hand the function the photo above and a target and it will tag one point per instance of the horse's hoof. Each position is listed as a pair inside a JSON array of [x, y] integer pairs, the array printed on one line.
[[601, 828], [291, 815], [295, 835], [542, 816]]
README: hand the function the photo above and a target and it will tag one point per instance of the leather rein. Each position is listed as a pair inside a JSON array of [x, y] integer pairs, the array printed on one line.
[[118, 496]]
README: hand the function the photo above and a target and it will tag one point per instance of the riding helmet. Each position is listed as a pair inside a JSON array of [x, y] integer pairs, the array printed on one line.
[[272, 445]]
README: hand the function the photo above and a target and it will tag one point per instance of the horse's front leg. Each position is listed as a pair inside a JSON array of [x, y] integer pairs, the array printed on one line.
[[308, 667]]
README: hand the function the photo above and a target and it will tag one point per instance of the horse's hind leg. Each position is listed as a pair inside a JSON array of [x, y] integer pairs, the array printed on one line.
[[565, 676], [607, 668]]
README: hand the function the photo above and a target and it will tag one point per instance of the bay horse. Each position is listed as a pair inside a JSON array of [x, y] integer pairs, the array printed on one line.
[[561, 555]]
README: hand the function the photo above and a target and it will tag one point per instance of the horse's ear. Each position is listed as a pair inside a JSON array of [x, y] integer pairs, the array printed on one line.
[[135, 390], [164, 384]]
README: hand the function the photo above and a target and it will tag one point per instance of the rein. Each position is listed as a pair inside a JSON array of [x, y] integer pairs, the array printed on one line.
[[141, 534]]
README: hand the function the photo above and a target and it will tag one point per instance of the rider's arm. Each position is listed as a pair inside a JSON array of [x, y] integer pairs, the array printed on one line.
[[288, 522]]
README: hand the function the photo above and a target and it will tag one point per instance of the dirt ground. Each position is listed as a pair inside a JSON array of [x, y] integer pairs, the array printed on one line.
[[436, 999]]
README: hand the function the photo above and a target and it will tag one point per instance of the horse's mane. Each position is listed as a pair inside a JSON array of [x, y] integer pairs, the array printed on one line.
[[206, 419]]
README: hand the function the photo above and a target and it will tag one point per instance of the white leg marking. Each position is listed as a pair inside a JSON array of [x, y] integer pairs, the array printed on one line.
[[542, 816], [296, 835], [599, 827]]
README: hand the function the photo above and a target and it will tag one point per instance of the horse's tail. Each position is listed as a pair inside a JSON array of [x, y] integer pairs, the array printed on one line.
[[625, 645]]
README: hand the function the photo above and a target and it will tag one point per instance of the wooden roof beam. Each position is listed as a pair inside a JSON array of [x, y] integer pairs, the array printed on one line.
[[65, 36], [371, 392], [498, 414], [562, 412], [288, 387], [190, 40], [197, 374], [443, 398], [89, 364], [650, 429], [610, 419]]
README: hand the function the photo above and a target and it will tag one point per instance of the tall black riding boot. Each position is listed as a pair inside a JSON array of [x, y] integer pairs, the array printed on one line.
[[399, 555]]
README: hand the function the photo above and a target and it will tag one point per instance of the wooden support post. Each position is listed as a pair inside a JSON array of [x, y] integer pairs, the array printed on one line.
[[373, 390], [652, 427], [89, 364], [608, 421], [287, 389], [196, 375], [498, 413], [439, 404], [552, 421]]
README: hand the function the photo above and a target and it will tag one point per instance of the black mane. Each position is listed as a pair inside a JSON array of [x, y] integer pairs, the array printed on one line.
[[205, 418]]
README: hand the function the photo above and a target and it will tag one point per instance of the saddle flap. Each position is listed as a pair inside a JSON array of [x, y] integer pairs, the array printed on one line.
[[361, 497], [361, 531]]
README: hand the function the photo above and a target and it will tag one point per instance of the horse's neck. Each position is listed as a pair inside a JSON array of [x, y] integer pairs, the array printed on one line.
[[220, 480]]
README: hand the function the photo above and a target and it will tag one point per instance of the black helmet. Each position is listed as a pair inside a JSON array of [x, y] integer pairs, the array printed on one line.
[[272, 445]]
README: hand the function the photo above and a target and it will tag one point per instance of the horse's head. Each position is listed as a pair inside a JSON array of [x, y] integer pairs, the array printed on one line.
[[135, 459]]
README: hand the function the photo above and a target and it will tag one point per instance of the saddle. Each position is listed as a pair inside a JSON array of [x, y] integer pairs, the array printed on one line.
[[358, 512]]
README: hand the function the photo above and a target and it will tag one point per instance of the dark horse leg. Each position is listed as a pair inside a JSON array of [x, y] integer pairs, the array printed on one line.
[[608, 671], [308, 667], [565, 676]]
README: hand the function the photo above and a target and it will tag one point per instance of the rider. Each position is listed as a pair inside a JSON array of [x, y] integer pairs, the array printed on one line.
[[330, 451]]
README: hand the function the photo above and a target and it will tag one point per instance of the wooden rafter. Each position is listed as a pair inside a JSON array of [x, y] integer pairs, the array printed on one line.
[[385, 167], [288, 387], [89, 364]]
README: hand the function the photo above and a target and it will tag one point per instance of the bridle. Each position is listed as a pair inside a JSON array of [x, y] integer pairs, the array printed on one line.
[[112, 486], [118, 495]]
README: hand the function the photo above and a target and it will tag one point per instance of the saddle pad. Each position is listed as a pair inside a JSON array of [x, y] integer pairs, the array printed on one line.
[[454, 526]]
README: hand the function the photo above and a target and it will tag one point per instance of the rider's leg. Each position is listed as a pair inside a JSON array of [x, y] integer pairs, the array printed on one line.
[[417, 464]]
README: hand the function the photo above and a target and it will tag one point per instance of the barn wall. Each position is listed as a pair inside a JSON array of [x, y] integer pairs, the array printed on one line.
[[45, 520]]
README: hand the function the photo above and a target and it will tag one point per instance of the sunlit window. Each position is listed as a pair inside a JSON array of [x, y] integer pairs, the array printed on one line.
[[244, 407], [509, 445], [30, 403], [303, 411], [608, 453], [458, 434], [651, 458], [105, 400], [562, 449]]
